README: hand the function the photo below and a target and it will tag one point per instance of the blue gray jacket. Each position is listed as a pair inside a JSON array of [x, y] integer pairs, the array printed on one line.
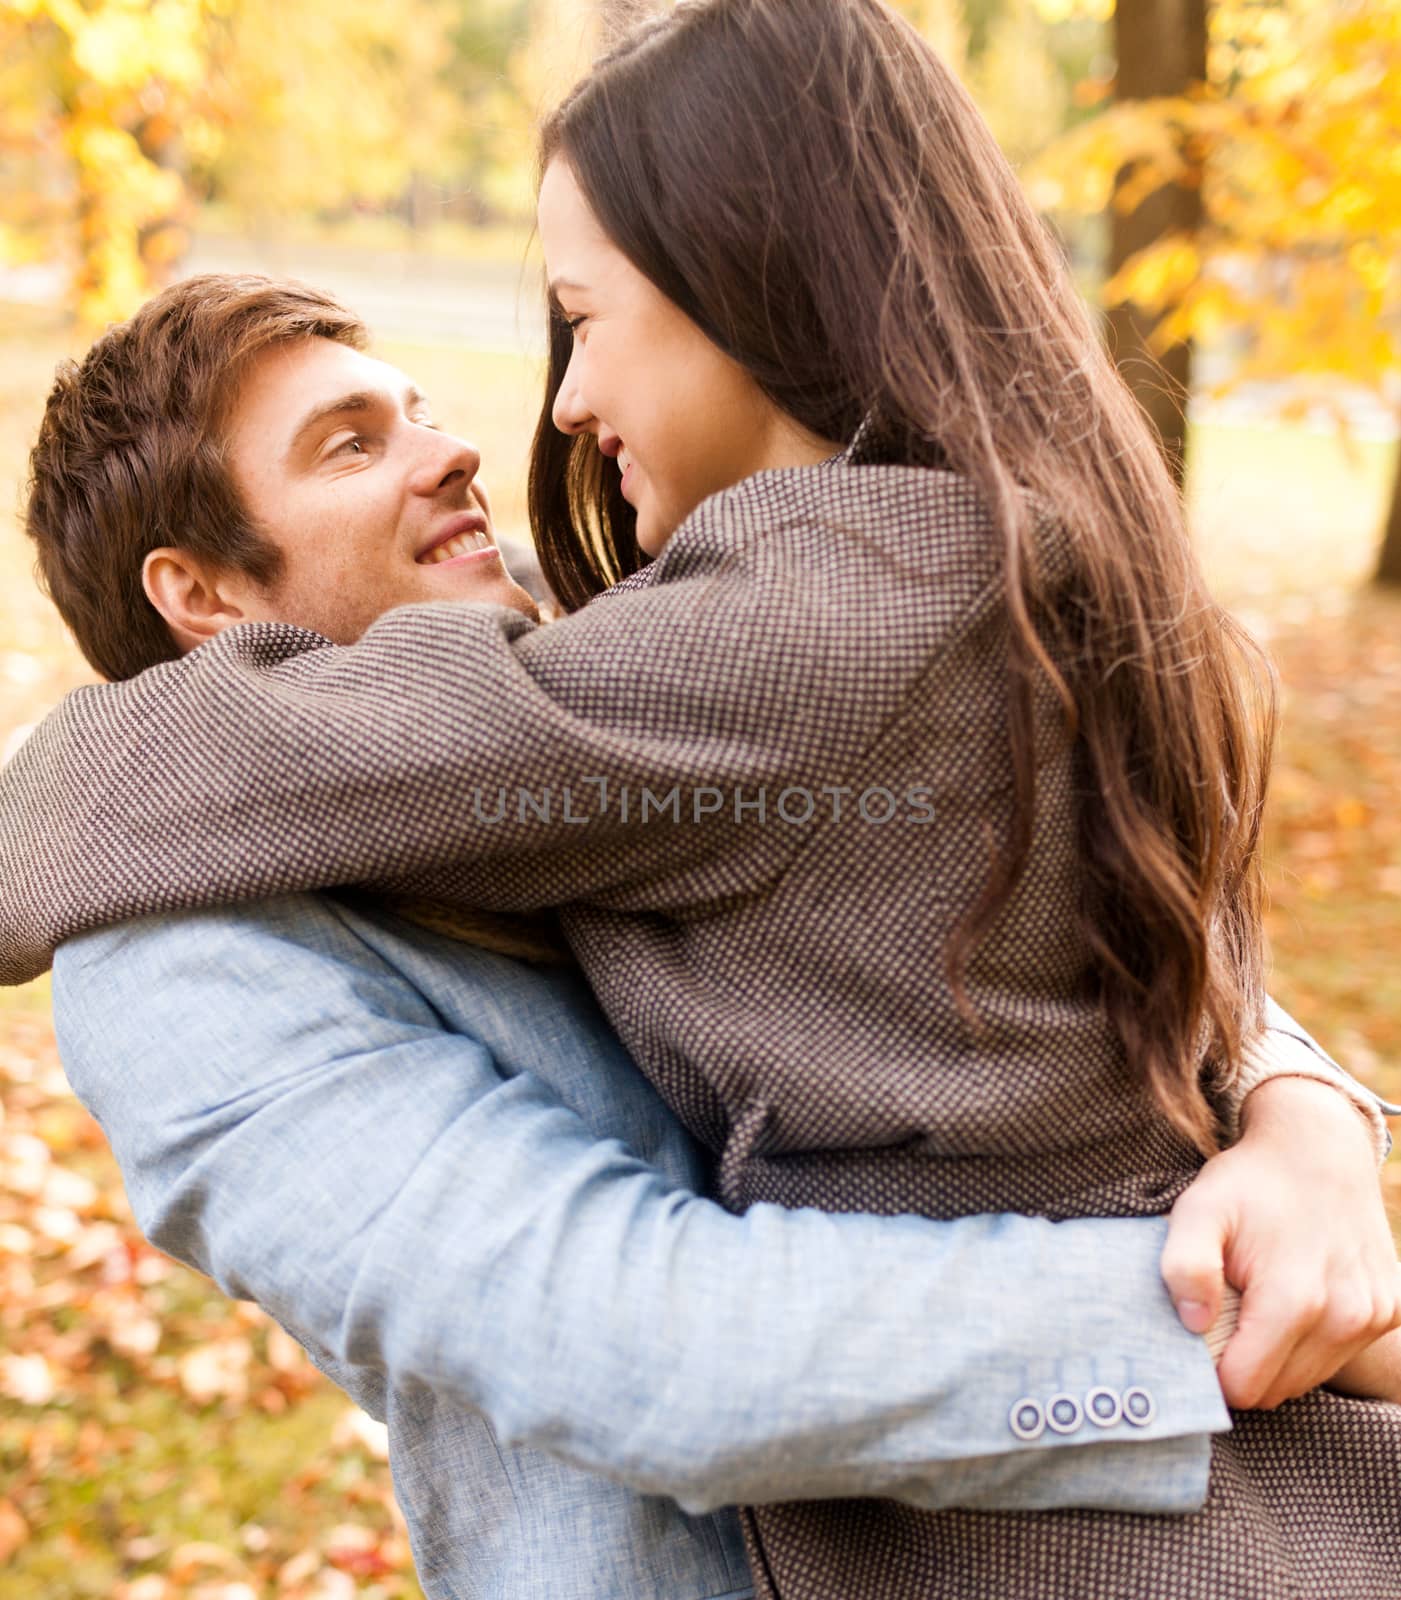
[[437, 1169]]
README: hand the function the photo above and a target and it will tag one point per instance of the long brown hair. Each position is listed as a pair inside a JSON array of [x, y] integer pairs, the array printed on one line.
[[814, 189]]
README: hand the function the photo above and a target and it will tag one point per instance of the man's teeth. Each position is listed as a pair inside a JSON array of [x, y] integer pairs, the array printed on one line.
[[463, 544]]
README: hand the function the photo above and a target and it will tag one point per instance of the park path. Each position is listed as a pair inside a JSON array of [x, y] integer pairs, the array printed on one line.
[[406, 295]]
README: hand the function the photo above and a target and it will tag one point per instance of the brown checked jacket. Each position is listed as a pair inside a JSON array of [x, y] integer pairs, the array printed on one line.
[[756, 784]]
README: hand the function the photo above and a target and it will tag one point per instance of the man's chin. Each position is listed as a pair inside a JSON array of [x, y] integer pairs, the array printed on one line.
[[506, 593], [520, 601]]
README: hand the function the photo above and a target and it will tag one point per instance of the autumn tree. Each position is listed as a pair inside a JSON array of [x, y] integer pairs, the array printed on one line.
[[1295, 259], [1389, 562], [341, 107], [116, 116], [1160, 50], [485, 127], [99, 102]]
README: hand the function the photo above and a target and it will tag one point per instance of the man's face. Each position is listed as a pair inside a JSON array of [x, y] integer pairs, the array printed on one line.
[[336, 458]]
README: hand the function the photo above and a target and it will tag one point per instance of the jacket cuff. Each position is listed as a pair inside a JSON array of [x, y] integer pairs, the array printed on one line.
[[1276, 1054], [1219, 1334]]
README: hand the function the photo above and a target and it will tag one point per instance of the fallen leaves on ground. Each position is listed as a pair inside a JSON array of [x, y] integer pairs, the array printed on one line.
[[157, 1442]]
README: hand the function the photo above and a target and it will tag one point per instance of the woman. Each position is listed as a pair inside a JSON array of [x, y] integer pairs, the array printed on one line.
[[780, 232], [939, 331]]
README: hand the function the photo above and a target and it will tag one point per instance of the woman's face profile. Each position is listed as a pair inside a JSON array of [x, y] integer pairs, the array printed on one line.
[[682, 420]]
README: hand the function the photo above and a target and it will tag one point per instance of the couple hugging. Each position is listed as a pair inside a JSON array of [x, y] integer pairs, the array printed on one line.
[[807, 1159]]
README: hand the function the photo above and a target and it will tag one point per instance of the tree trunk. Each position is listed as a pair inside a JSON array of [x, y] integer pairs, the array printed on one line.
[[1161, 48], [1389, 565]]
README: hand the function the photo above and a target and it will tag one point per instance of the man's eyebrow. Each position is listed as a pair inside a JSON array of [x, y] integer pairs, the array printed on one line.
[[356, 403]]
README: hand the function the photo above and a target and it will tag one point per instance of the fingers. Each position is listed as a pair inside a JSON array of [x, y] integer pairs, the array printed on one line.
[[1271, 1342], [1192, 1263], [1284, 1346], [1292, 1219]]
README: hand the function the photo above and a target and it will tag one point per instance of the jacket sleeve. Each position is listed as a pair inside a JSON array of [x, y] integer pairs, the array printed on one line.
[[1284, 1050], [457, 752], [455, 749], [406, 1208]]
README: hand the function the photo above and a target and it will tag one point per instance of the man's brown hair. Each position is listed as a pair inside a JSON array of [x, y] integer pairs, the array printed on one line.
[[131, 455]]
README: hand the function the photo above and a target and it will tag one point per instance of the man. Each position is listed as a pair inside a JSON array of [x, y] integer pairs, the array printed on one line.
[[407, 1149]]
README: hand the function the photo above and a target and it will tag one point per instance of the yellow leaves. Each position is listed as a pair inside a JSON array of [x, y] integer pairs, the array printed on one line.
[[105, 86], [943, 24], [1295, 143], [1374, 269], [1054, 11], [28, 1379], [216, 1371], [196, 1557], [1205, 309], [1351, 813], [124, 102], [115, 113], [126, 44], [14, 1531], [112, 161], [1159, 275], [149, 1586], [357, 1429], [290, 144], [122, 1373], [1079, 171]]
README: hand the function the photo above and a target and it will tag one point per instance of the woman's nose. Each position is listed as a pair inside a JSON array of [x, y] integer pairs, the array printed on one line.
[[570, 413]]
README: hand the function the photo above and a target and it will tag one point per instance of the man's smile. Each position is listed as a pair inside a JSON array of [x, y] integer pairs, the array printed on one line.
[[463, 537]]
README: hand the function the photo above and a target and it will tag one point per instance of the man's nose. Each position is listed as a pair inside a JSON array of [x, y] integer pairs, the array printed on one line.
[[448, 461]]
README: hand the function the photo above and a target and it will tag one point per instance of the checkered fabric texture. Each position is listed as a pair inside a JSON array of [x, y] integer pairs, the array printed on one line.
[[781, 982]]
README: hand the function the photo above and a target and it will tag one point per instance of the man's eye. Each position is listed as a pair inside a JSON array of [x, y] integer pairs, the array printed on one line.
[[355, 445]]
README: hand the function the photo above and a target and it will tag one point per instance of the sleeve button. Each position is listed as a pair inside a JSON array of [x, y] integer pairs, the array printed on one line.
[[1027, 1419], [1139, 1407], [1064, 1414], [1104, 1407]]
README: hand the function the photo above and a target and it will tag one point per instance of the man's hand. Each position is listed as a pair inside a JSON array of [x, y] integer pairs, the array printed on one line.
[[1293, 1217]]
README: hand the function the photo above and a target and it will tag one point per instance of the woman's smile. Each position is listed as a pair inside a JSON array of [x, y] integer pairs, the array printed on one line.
[[693, 414]]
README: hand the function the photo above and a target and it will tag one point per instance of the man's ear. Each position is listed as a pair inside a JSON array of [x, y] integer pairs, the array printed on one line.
[[196, 600]]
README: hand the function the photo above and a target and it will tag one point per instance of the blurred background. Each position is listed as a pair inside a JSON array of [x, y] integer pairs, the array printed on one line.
[[1224, 176]]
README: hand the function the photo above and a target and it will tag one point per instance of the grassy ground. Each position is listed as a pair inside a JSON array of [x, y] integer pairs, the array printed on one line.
[[157, 1443]]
